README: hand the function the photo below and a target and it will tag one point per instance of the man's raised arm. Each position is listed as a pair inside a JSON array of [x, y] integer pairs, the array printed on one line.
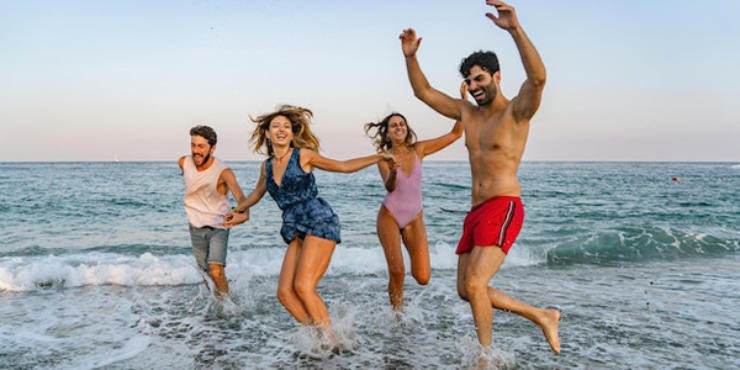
[[432, 97], [526, 103]]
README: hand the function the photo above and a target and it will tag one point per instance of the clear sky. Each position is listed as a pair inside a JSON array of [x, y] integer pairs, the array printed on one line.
[[627, 80]]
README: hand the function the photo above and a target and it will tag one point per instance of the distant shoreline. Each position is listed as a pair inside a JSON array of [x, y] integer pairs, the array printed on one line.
[[426, 161]]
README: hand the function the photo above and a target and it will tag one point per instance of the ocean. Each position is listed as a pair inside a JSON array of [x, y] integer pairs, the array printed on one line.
[[97, 272]]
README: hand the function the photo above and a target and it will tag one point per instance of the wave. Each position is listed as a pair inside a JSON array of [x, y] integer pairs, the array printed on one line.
[[638, 245], [138, 265], [34, 272], [31, 273]]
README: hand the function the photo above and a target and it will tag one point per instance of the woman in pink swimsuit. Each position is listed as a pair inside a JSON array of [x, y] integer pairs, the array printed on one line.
[[400, 215]]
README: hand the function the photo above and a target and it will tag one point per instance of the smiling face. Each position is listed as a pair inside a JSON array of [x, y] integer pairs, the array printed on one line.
[[280, 131], [482, 85], [398, 131], [201, 150]]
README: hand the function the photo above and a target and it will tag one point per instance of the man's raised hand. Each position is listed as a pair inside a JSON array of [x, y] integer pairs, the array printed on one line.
[[409, 42], [506, 15]]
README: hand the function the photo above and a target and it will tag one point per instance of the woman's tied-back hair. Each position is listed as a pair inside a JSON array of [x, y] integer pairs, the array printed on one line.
[[300, 119], [381, 133], [206, 133], [484, 59]]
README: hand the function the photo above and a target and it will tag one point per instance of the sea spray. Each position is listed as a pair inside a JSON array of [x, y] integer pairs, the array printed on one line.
[[475, 356]]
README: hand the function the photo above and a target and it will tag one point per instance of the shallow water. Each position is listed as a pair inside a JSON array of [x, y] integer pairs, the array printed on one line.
[[658, 315], [643, 269]]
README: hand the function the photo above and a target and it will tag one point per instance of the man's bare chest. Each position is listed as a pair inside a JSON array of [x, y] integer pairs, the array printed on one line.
[[487, 135]]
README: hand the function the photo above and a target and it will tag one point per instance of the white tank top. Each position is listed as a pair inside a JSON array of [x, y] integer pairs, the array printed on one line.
[[203, 203]]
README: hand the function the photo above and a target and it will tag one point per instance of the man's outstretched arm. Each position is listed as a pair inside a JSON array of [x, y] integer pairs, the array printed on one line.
[[526, 103], [440, 102]]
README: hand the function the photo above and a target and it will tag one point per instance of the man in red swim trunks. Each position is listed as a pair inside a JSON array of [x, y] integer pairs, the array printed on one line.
[[496, 132]]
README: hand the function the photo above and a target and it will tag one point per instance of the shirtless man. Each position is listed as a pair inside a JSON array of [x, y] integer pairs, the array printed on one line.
[[495, 134]]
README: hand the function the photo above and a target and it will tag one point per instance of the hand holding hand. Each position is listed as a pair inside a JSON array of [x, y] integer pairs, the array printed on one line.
[[409, 42], [393, 162], [233, 218], [506, 15]]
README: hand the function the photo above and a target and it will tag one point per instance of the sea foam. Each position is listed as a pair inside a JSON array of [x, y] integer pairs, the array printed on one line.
[[28, 273]]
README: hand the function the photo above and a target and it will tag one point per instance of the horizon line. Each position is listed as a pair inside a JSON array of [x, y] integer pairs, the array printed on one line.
[[428, 160]]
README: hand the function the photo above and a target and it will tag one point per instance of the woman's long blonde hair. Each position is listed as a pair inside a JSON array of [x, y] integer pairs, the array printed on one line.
[[300, 120], [382, 142]]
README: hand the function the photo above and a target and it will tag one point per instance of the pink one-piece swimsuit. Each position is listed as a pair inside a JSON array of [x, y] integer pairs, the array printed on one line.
[[404, 203]]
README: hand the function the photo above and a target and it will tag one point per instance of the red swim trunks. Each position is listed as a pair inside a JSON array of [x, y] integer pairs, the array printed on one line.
[[496, 221]]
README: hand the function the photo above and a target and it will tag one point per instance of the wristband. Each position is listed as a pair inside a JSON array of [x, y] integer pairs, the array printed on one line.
[[233, 209]]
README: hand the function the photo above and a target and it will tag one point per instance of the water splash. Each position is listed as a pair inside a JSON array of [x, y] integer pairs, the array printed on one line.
[[475, 356]]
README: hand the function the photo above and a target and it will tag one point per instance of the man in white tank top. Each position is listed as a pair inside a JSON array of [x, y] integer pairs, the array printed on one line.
[[207, 183]]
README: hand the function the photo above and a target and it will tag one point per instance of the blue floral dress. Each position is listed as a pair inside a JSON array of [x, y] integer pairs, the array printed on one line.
[[303, 212]]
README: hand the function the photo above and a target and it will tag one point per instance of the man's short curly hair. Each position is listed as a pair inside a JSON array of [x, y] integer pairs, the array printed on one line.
[[204, 132], [484, 59]]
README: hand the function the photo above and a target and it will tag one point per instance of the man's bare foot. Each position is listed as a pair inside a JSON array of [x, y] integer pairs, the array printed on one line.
[[549, 325]]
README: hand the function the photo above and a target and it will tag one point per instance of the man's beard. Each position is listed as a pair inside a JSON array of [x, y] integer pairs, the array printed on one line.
[[490, 95], [206, 158]]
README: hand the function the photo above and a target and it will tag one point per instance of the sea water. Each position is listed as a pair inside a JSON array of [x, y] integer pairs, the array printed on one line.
[[97, 272]]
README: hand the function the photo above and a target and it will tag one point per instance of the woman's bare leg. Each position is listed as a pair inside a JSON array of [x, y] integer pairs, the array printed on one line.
[[390, 239], [415, 239], [312, 265], [286, 291]]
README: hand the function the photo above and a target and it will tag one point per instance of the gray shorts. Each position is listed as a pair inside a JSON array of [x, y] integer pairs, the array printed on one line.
[[209, 246]]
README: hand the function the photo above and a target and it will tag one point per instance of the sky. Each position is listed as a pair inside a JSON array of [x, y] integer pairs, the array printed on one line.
[[99, 80]]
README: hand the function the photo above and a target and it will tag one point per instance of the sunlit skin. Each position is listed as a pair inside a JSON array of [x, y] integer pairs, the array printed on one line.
[[201, 151], [496, 131], [414, 234], [482, 85], [202, 154], [305, 261]]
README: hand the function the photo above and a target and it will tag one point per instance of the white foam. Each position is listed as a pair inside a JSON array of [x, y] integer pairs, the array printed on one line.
[[520, 256], [130, 349], [75, 270], [30, 273], [355, 260], [441, 256], [342, 315], [476, 356]]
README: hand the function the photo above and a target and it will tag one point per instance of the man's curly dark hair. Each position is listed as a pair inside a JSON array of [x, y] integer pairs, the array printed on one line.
[[484, 59], [204, 132]]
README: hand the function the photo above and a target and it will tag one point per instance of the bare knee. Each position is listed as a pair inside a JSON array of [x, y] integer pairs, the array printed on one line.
[[474, 288], [422, 278], [286, 295], [304, 289], [462, 292], [217, 272]]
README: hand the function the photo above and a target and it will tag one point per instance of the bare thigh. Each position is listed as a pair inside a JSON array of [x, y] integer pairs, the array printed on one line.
[[415, 238], [483, 264], [390, 239], [479, 266], [314, 259], [290, 265]]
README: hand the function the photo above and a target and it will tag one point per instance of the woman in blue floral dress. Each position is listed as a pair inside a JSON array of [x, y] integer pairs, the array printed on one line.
[[310, 226]]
